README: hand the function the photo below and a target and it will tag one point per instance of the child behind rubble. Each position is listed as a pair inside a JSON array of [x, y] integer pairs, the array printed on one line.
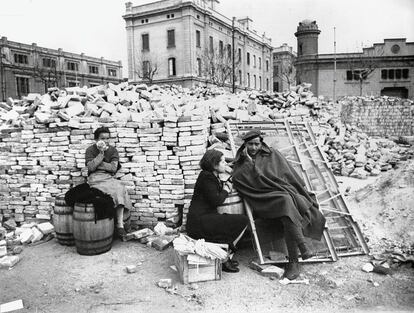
[[203, 220], [102, 161]]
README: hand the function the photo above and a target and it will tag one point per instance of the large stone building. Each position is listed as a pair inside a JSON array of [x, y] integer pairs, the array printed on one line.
[[32, 69], [284, 71], [179, 36], [383, 69]]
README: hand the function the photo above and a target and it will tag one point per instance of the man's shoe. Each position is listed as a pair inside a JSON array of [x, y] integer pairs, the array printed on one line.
[[305, 252], [229, 268], [292, 269], [234, 263], [121, 233]]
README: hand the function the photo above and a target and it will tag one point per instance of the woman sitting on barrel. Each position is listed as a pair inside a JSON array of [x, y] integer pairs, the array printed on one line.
[[102, 161], [203, 220]]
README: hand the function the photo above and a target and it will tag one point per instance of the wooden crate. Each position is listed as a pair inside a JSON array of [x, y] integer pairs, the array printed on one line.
[[191, 273]]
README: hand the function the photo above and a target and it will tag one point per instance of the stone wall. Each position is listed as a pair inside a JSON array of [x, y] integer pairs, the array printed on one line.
[[159, 165], [383, 116]]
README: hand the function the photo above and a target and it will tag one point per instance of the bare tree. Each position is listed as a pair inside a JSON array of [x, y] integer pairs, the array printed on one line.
[[146, 67], [361, 66], [217, 66], [287, 71], [47, 73]]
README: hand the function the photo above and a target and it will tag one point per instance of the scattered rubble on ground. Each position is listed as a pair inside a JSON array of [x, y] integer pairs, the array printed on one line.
[[12, 237]]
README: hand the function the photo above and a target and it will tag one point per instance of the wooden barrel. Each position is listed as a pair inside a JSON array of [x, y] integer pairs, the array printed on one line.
[[232, 205], [62, 221], [91, 238]]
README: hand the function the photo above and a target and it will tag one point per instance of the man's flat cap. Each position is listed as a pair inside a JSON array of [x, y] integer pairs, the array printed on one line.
[[252, 134]]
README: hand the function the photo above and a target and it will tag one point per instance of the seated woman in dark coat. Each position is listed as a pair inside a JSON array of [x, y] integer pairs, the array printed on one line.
[[102, 161], [273, 189], [203, 220]]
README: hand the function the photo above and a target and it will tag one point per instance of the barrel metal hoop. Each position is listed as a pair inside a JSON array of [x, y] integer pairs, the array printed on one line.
[[97, 240]]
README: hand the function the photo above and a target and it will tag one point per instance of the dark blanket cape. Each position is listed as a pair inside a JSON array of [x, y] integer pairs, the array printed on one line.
[[83, 193], [273, 189]]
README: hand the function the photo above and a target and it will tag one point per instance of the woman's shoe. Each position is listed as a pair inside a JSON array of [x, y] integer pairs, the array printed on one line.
[[120, 231], [292, 269], [305, 252], [229, 267]]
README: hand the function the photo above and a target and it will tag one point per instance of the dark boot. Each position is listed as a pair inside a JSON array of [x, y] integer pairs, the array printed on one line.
[[305, 252], [292, 269], [229, 267]]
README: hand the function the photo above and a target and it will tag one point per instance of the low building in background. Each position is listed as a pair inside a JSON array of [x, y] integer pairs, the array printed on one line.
[[383, 69], [187, 42], [284, 71], [32, 69]]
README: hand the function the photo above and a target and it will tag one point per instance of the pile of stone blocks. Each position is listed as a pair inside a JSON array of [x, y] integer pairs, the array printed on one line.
[[160, 133], [351, 152]]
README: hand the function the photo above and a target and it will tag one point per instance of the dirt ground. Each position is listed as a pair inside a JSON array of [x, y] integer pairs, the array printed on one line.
[[54, 278]]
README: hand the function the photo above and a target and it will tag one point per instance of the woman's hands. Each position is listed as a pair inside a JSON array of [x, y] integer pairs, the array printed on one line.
[[228, 186], [101, 145]]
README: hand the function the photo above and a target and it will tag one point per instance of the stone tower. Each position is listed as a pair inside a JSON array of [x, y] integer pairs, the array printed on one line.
[[307, 54]]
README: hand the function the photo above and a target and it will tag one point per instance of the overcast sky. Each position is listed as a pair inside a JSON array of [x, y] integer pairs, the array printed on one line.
[[96, 27]]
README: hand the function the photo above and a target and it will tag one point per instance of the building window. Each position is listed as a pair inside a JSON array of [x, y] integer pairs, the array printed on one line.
[[170, 38], [198, 16], [267, 65], [221, 47], [254, 61], [394, 73], [276, 86], [198, 39], [355, 75], [260, 63], [112, 72], [248, 58], [240, 55], [240, 77], [229, 51], [405, 73], [72, 66], [260, 82], [267, 84], [254, 80], [276, 70], [145, 42], [20, 58], [72, 84], [171, 67], [211, 44], [145, 68], [300, 52], [93, 69], [248, 80], [172, 15], [22, 86], [199, 68], [398, 73], [48, 62]]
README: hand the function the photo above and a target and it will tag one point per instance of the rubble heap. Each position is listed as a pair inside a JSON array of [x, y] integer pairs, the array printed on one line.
[[353, 153], [160, 133]]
